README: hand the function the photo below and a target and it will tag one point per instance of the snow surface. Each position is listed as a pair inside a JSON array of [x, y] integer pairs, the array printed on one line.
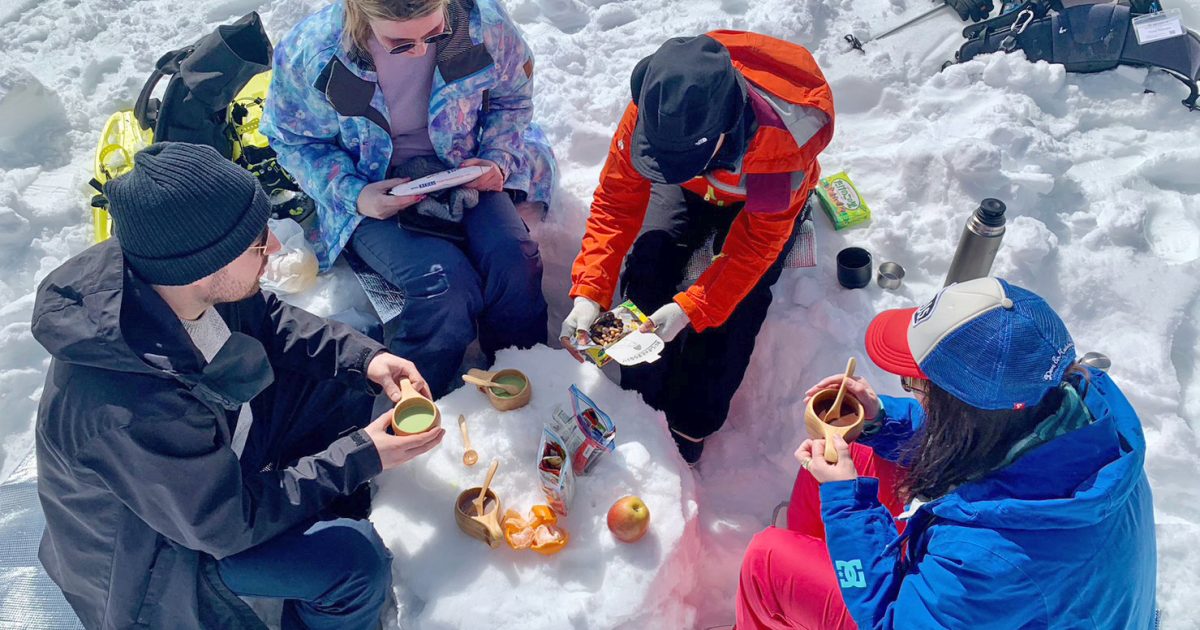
[[1099, 175], [596, 581]]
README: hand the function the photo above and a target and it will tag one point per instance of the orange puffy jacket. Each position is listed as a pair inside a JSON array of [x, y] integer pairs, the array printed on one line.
[[778, 173]]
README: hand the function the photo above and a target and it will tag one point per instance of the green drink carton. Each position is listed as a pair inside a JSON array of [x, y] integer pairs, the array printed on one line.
[[842, 202]]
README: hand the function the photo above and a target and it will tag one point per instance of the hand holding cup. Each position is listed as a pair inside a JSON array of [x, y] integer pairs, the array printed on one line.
[[856, 386]]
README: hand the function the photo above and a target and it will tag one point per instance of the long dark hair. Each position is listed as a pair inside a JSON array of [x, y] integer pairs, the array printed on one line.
[[959, 443]]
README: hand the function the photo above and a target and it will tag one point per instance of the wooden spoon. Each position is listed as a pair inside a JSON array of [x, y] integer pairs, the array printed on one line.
[[511, 390], [469, 454], [836, 410], [486, 482]]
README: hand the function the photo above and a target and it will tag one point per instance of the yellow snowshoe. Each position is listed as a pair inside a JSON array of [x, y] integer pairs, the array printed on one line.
[[120, 139]]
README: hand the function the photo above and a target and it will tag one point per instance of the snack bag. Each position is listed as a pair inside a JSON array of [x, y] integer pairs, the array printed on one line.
[[292, 269], [615, 336], [587, 431], [841, 201], [554, 471]]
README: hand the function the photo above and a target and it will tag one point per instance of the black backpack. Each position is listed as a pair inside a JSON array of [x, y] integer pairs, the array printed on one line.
[[204, 103], [1085, 36], [204, 79]]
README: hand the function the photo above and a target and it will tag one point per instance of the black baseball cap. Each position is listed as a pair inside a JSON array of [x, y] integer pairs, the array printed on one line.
[[688, 94]]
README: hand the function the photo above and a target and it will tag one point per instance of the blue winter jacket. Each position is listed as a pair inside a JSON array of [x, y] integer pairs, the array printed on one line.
[[327, 119], [1061, 538]]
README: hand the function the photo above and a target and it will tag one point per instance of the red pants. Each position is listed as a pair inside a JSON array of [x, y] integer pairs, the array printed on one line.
[[787, 579]]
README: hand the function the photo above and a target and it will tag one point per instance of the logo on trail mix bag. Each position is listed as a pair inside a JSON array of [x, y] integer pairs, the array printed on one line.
[[845, 194]]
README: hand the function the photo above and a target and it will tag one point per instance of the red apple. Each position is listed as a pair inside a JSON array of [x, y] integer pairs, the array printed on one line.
[[628, 519]]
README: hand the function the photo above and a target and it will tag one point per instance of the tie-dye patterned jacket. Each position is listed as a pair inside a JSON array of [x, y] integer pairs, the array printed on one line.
[[327, 119]]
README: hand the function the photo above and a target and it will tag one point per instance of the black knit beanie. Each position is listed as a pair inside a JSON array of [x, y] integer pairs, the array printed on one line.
[[184, 211]]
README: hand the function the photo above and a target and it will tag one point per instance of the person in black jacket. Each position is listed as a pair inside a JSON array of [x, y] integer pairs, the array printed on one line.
[[197, 438]]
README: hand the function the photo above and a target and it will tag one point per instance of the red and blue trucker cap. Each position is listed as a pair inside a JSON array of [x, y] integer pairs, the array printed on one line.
[[989, 343]]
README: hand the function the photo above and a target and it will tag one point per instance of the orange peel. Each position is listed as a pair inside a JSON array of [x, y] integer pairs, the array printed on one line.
[[539, 532]]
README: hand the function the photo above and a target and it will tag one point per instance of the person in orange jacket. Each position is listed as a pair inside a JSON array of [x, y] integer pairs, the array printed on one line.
[[722, 136]]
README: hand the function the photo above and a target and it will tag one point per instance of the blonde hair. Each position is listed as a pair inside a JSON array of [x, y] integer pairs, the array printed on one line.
[[357, 32]]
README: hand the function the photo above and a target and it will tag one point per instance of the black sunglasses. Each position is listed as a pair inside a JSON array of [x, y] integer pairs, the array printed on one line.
[[431, 40]]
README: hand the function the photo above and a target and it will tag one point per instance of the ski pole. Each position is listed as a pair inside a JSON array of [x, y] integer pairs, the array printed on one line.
[[857, 43]]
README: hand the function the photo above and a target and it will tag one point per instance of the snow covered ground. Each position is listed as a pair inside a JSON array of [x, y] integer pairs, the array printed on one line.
[[1100, 177], [596, 581]]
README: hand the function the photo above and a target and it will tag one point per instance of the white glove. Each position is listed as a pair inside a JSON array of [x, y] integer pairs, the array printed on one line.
[[667, 322], [582, 316]]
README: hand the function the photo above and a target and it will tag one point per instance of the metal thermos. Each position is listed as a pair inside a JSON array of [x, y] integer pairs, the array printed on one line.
[[979, 243]]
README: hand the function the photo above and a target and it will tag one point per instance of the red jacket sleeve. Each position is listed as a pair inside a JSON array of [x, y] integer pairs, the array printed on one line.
[[755, 241], [618, 211]]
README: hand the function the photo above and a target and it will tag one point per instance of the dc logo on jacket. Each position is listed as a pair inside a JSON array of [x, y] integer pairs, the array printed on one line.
[[850, 574]]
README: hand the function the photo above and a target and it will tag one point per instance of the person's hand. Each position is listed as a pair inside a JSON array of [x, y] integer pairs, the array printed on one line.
[[397, 449], [974, 10], [492, 180], [667, 322], [857, 386], [583, 314], [386, 370], [375, 202], [811, 456]]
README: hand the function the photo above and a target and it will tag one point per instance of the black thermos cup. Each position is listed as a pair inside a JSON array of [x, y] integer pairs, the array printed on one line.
[[854, 267]]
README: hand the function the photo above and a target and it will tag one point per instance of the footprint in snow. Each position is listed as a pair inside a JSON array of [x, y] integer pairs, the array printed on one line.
[[735, 7], [611, 16], [1173, 230], [96, 71], [34, 121], [588, 147], [569, 16]]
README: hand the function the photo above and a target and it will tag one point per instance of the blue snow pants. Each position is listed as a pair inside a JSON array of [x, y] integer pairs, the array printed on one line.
[[489, 285]]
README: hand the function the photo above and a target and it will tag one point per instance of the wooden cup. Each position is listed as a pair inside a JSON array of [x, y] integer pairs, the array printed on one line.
[[412, 402], [849, 425], [498, 397], [485, 527]]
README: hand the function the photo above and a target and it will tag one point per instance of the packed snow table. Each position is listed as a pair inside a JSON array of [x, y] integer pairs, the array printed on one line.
[[445, 579]]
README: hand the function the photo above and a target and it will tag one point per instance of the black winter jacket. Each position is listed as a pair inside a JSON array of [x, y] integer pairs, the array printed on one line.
[[140, 488]]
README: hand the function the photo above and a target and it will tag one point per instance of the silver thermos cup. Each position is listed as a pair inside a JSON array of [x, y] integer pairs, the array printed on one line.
[[979, 243]]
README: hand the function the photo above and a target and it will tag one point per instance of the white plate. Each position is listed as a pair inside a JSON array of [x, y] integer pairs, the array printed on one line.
[[439, 181]]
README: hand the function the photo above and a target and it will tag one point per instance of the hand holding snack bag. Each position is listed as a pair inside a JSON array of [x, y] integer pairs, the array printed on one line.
[[616, 335], [584, 313]]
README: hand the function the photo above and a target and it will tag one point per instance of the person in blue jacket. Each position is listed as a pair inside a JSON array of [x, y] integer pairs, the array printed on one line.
[[1028, 505], [369, 93]]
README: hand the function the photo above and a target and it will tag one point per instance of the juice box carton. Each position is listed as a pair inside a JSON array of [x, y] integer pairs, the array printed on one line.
[[842, 201]]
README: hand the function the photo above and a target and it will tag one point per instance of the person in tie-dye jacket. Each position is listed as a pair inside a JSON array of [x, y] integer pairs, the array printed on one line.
[[365, 86]]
